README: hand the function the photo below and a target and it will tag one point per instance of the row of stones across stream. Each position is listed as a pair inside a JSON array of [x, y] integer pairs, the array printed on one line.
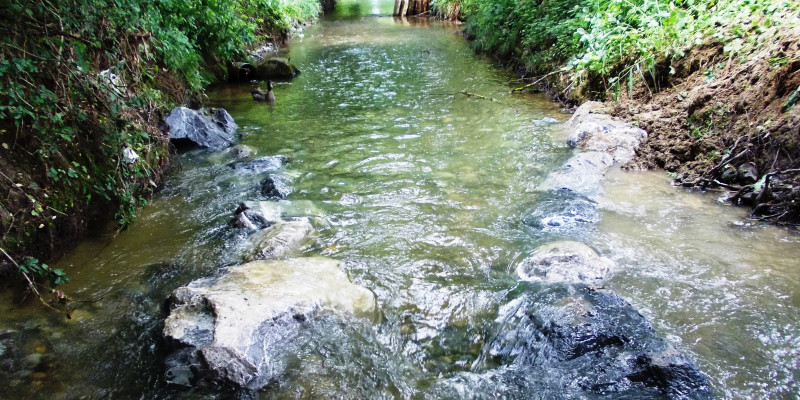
[[560, 335]]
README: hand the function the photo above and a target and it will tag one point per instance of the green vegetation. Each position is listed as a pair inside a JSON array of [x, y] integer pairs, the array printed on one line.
[[84, 81], [603, 45]]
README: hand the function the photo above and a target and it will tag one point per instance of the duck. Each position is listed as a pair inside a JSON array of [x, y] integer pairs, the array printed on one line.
[[260, 95]]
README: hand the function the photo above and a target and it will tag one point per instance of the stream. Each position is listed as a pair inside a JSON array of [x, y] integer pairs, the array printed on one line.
[[422, 192]]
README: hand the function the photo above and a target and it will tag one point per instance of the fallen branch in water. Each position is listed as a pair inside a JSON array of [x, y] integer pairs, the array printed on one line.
[[469, 94], [543, 77]]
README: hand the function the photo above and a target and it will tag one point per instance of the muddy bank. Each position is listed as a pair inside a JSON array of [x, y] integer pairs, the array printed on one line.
[[728, 124]]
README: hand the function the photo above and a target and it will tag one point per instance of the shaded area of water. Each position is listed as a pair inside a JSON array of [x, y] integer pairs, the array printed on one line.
[[423, 191]]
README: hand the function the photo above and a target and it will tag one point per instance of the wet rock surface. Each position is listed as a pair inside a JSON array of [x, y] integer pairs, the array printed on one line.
[[568, 195], [279, 240], [275, 186], [565, 341], [233, 330], [593, 130], [564, 213], [260, 164], [565, 261], [211, 128], [276, 68]]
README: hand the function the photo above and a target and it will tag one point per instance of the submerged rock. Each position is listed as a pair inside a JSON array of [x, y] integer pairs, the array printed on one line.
[[233, 330], [583, 174], [565, 341], [261, 164], [279, 240], [566, 261], [563, 212], [212, 128], [275, 186], [256, 215]]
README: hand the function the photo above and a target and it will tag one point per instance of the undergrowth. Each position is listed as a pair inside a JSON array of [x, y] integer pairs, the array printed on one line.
[[83, 83], [596, 47]]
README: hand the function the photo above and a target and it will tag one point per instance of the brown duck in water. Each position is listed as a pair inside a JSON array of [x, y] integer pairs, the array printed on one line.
[[260, 95]]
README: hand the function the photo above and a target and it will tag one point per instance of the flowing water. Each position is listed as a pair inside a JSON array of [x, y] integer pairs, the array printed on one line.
[[423, 190]]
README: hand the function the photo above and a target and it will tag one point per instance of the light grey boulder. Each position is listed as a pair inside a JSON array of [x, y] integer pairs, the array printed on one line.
[[212, 128], [565, 261], [595, 131], [235, 330], [582, 174]]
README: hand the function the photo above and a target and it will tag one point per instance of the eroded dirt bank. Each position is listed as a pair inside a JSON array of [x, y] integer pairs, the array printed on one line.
[[728, 123]]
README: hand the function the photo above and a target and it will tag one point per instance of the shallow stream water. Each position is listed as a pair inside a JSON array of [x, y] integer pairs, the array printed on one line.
[[423, 190]]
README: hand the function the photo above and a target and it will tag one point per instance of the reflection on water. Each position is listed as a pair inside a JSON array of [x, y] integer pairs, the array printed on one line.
[[423, 192]]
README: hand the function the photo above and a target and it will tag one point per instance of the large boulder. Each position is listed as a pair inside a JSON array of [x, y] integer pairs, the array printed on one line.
[[276, 68], [565, 261], [212, 128], [572, 341], [233, 330]]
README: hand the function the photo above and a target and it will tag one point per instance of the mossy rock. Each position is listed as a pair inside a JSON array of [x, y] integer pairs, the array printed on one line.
[[276, 68]]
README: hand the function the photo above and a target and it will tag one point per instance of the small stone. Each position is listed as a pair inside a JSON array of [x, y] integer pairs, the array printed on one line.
[[748, 174], [729, 174]]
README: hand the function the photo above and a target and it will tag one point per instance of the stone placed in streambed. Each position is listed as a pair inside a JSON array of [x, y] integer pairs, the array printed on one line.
[[260, 164], [565, 261], [211, 128], [275, 186], [279, 240], [562, 212], [233, 330], [572, 341], [595, 131], [256, 215]]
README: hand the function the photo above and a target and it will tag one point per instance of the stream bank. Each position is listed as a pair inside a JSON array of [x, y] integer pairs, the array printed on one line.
[[85, 88], [714, 84], [422, 194]]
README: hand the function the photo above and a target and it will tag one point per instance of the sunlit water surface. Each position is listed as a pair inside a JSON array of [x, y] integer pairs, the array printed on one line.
[[423, 191]]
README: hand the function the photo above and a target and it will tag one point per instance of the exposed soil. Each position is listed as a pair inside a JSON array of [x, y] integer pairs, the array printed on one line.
[[728, 123]]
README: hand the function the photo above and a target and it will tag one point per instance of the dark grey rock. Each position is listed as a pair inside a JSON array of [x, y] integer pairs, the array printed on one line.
[[563, 212], [748, 174], [214, 128], [573, 342], [729, 174], [275, 186], [256, 215], [276, 68]]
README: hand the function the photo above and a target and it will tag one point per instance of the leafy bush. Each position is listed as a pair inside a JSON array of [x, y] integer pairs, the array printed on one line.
[[617, 43], [81, 81]]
